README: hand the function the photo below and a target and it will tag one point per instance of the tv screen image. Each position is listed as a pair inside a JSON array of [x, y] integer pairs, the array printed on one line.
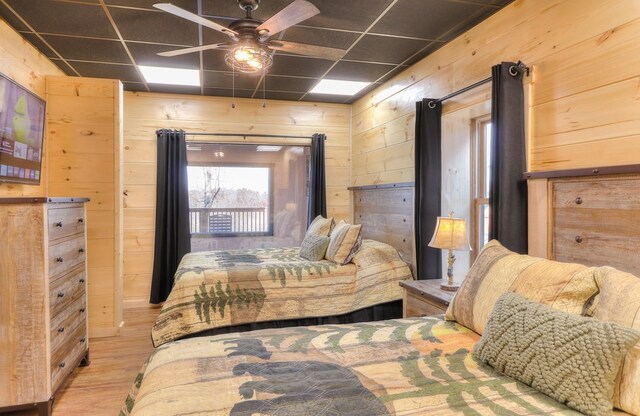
[[21, 133]]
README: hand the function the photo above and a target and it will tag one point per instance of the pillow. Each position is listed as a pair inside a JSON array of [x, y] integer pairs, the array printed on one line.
[[619, 302], [320, 226], [570, 358], [563, 286], [314, 247], [345, 242]]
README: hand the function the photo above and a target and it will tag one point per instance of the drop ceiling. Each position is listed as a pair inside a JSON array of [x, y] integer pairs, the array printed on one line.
[[108, 38]]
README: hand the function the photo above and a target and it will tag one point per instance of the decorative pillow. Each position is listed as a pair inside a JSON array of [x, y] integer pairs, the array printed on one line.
[[568, 357], [563, 286], [320, 226], [619, 302], [345, 242], [314, 247]]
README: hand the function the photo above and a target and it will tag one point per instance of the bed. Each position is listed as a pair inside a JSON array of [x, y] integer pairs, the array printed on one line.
[[415, 366], [237, 290]]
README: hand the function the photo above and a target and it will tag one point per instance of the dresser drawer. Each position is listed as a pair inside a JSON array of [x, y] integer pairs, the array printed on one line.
[[65, 255], [597, 194], [65, 359], [66, 221], [64, 324], [419, 306], [65, 290]]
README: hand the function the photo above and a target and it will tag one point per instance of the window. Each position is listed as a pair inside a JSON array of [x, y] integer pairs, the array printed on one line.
[[246, 195], [482, 175]]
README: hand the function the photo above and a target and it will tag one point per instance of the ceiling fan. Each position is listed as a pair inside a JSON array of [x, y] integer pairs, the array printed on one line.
[[250, 44]]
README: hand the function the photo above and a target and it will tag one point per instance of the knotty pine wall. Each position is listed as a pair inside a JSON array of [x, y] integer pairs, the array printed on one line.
[[84, 124], [145, 113], [583, 93], [22, 63]]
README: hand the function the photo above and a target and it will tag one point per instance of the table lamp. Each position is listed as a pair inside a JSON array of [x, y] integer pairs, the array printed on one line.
[[450, 234]]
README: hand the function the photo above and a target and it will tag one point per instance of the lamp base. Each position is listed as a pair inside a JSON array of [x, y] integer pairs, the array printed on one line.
[[449, 287]]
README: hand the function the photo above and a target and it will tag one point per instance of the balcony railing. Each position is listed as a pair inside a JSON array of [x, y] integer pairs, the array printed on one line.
[[229, 221]]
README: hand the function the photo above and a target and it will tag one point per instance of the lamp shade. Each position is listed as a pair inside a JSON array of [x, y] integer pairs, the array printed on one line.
[[451, 234]]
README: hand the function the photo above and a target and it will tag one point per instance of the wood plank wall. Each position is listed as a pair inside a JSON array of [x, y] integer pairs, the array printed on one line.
[[584, 101], [22, 63], [85, 147], [145, 113]]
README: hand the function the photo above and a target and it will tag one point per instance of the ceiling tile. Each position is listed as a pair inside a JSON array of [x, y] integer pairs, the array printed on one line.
[[225, 80], [109, 71], [435, 18], [89, 49], [467, 24], [147, 54], [326, 98], [174, 89], [348, 15], [39, 44], [55, 17], [299, 66], [214, 60], [224, 92], [289, 84], [191, 5], [322, 37], [276, 95], [428, 49], [384, 49], [231, 9], [134, 86], [358, 71], [65, 68], [8, 16], [156, 26]]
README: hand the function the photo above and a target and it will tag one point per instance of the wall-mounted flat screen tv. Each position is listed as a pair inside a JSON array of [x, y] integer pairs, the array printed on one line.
[[21, 133]]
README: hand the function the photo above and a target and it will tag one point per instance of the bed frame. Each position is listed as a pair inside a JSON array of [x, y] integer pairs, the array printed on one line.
[[386, 214]]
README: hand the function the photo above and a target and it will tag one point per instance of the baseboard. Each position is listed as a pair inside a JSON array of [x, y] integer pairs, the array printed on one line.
[[103, 331]]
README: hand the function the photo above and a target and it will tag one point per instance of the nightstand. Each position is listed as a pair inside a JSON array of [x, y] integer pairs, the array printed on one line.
[[424, 298]]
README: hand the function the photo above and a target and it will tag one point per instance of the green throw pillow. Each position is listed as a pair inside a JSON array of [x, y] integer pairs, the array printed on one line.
[[570, 358], [314, 247]]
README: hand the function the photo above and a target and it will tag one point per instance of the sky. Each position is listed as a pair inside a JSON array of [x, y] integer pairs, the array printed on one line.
[[256, 179]]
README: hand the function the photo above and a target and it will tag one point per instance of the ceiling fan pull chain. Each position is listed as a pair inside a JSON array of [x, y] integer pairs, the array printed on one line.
[[264, 87], [233, 87]]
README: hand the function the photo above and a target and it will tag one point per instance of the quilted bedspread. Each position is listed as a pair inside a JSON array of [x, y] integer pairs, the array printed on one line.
[[417, 366], [223, 288]]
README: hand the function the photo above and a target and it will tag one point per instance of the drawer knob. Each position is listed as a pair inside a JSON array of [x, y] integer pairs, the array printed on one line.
[[578, 239], [578, 200], [80, 220], [61, 329], [81, 250], [81, 310], [60, 294], [58, 224], [59, 259], [83, 339], [61, 365], [81, 280]]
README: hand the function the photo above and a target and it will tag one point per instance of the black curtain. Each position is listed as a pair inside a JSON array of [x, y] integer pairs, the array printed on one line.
[[173, 238], [428, 184], [507, 188], [317, 180]]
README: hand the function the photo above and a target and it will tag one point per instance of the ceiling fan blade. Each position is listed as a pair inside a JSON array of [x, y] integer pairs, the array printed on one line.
[[294, 13], [185, 14], [194, 49], [310, 50]]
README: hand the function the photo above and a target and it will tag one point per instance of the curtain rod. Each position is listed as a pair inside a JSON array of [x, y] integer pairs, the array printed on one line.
[[513, 70], [281, 136]]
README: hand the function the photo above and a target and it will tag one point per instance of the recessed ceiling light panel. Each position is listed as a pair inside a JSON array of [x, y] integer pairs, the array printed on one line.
[[171, 76], [337, 87], [264, 148]]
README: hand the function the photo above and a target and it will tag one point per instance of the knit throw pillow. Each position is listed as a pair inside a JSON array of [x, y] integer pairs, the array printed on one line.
[[570, 358], [314, 247]]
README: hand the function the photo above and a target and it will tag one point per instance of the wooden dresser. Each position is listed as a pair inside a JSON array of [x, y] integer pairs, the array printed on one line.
[[43, 302]]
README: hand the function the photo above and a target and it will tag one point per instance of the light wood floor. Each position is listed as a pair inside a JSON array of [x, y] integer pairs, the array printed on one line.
[[101, 388]]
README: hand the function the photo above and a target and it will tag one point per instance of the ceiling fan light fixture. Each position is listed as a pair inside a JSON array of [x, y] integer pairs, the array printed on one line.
[[249, 59]]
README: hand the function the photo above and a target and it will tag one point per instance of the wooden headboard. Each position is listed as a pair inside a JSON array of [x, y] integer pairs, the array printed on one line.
[[595, 220], [386, 214]]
